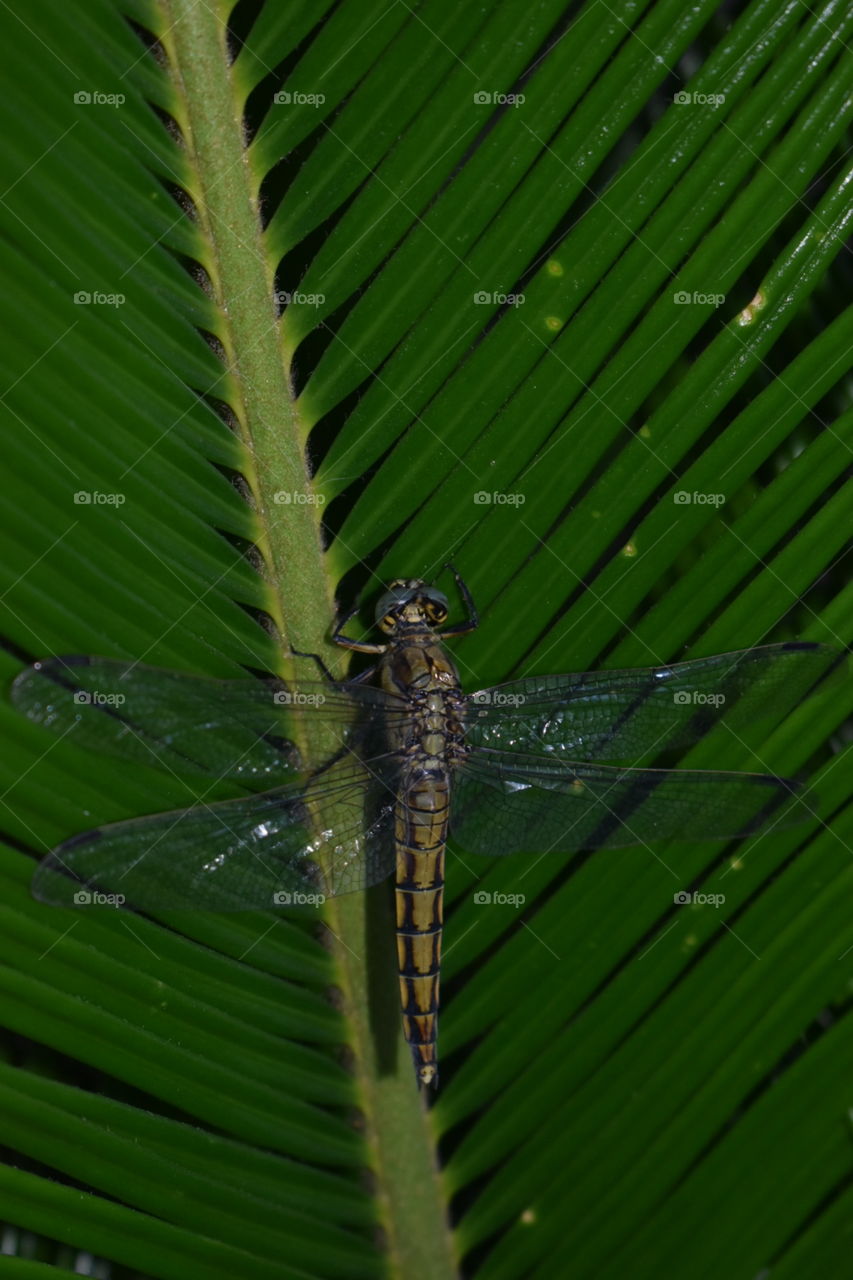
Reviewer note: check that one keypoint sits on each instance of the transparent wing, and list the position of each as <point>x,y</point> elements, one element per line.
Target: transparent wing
<point>277,848</point>
<point>505,802</point>
<point>622,715</point>
<point>221,728</point>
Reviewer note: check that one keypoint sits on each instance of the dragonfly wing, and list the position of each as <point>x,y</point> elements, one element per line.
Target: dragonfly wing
<point>237,729</point>
<point>333,836</point>
<point>220,728</point>
<point>623,715</point>
<point>507,802</point>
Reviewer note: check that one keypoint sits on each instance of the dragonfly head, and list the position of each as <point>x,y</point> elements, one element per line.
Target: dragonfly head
<point>408,602</point>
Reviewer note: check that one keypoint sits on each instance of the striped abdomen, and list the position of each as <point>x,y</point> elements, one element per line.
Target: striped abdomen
<point>420,832</point>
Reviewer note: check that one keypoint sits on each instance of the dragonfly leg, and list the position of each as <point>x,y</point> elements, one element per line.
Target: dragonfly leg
<point>365,676</point>
<point>357,646</point>
<point>473,619</point>
<point>361,678</point>
<point>315,657</point>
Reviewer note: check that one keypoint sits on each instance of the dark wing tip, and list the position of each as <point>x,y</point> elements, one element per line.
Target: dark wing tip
<point>73,842</point>
<point>65,660</point>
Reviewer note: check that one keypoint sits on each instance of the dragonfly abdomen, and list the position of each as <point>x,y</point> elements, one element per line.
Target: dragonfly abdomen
<point>420,833</point>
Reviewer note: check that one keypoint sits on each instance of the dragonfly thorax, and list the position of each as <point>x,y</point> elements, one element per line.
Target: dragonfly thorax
<point>419,670</point>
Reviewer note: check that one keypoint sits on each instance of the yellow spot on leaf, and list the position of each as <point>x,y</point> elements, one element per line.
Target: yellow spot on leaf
<point>747,316</point>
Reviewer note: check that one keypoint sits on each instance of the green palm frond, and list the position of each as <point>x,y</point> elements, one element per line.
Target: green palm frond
<point>561,300</point>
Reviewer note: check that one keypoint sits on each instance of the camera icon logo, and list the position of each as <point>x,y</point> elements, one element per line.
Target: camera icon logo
<point>682,898</point>
<point>482,898</point>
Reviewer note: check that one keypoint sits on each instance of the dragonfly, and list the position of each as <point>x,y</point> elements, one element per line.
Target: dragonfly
<point>348,782</point>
